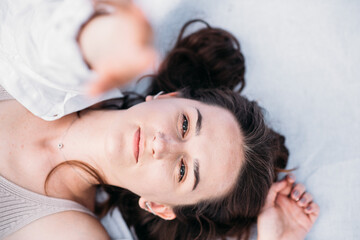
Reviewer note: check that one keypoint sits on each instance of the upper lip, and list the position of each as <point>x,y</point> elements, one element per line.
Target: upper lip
<point>136,144</point>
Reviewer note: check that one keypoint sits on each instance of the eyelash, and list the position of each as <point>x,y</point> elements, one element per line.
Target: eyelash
<point>182,170</point>
<point>185,123</point>
<point>184,130</point>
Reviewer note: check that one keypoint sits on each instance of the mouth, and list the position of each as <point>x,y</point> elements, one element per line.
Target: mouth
<point>136,144</point>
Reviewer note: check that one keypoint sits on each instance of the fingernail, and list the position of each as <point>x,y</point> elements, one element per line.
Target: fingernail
<point>291,177</point>
<point>296,194</point>
<point>302,200</point>
<point>309,208</point>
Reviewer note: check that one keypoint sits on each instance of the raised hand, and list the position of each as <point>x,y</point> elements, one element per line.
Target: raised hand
<point>289,212</point>
<point>118,47</point>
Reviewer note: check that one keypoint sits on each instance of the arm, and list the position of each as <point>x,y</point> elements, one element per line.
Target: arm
<point>69,225</point>
<point>289,212</point>
<point>44,45</point>
<point>117,46</point>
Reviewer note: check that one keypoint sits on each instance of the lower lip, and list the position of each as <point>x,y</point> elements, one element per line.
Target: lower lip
<point>136,144</point>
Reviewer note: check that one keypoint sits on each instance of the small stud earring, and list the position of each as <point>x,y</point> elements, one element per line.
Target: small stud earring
<point>158,94</point>
<point>148,206</point>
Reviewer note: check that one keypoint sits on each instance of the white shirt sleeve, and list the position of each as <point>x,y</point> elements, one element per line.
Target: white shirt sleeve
<point>40,61</point>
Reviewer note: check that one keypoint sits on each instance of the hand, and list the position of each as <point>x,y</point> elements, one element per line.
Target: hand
<point>119,72</point>
<point>118,47</point>
<point>287,216</point>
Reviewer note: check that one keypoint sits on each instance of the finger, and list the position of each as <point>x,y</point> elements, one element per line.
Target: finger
<point>297,191</point>
<point>146,58</point>
<point>105,82</point>
<point>291,209</point>
<point>273,192</point>
<point>313,210</point>
<point>288,206</point>
<point>284,202</point>
<point>305,199</point>
<point>290,178</point>
<point>137,60</point>
<point>110,75</point>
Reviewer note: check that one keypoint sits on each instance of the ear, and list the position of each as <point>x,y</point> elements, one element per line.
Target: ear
<point>166,95</point>
<point>160,210</point>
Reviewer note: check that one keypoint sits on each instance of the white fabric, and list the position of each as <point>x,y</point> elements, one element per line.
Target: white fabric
<point>40,62</point>
<point>116,227</point>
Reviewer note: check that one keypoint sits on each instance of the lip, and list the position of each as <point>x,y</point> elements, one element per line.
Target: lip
<point>136,142</point>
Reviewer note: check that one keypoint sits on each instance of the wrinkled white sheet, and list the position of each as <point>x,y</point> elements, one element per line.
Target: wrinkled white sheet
<point>302,62</point>
<point>116,226</point>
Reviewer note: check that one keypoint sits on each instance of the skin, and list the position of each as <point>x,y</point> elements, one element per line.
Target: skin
<point>29,172</point>
<point>104,140</point>
<point>155,175</point>
<point>163,148</point>
<point>287,215</point>
<point>117,46</point>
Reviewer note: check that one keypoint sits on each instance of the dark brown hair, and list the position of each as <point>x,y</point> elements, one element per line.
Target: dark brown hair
<point>209,58</point>
<point>208,64</point>
<point>233,214</point>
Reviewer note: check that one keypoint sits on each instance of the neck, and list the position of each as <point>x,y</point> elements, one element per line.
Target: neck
<point>82,140</point>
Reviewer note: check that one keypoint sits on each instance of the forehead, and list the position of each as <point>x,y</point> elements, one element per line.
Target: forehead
<point>218,149</point>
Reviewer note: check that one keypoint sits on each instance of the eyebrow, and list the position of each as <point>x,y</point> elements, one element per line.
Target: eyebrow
<point>198,122</point>
<point>196,161</point>
<point>196,173</point>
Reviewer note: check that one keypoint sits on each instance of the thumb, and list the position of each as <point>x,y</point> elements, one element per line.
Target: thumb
<point>105,81</point>
<point>110,75</point>
<point>143,59</point>
<point>273,192</point>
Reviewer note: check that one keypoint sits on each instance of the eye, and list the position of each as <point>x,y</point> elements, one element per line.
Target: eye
<point>182,170</point>
<point>184,126</point>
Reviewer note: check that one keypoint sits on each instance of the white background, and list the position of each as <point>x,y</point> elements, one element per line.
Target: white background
<point>302,60</point>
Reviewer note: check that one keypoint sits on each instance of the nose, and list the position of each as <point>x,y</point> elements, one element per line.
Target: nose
<point>164,146</point>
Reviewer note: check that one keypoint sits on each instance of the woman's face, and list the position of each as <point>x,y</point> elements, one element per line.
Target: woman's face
<point>174,151</point>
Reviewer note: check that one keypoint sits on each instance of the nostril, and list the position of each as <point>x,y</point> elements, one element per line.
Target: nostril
<point>153,152</point>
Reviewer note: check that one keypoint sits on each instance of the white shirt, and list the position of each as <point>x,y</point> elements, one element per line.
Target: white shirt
<point>41,65</point>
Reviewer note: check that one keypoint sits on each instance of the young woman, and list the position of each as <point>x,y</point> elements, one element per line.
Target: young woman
<point>201,162</point>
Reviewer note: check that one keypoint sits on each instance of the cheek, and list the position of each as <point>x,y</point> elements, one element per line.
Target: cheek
<point>156,178</point>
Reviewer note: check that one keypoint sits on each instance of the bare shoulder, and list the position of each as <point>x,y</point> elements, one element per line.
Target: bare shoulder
<point>10,111</point>
<point>9,105</point>
<point>70,225</point>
